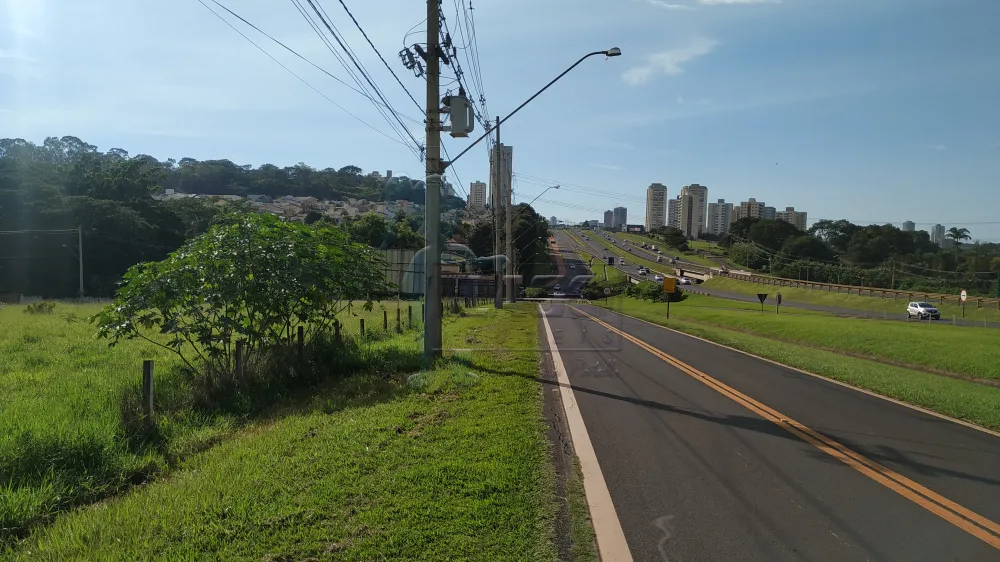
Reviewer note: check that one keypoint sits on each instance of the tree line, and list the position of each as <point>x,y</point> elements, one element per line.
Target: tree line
<point>65,183</point>
<point>839,251</point>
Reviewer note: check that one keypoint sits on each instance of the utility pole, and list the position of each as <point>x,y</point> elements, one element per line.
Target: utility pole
<point>497,205</point>
<point>432,197</point>
<point>79,255</point>
<point>509,192</point>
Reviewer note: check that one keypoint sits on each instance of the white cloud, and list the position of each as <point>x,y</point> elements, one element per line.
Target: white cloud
<point>736,2</point>
<point>668,5</point>
<point>669,62</point>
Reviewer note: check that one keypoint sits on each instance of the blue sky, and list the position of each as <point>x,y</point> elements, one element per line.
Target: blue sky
<point>873,111</point>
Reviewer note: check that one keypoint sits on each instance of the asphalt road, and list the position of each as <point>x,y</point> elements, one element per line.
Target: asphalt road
<point>771,299</point>
<point>695,474</point>
<point>572,271</point>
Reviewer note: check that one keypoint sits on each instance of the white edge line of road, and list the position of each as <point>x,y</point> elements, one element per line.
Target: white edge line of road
<point>921,409</point>
<point>611,542</point>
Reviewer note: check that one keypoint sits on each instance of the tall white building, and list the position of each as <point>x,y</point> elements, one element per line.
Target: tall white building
<point>553,221</point>
<point>909,226</point>
<point>501,172</point>
<point>720,215</point>
<point>609,218</point>
<point>673,206</point>
<point>656,206</point>
<point>937,234</point>
<point>692,208</point>
<point>619,218</point>
<point>477,195</point>
<point>797,218</point>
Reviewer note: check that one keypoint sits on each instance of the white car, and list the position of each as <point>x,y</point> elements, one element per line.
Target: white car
<point>658,277</point>
<point>572,266</point>
<point>685,280</point>
<point>557,287</point>
<point>922,311</point>
<point>642,271</point>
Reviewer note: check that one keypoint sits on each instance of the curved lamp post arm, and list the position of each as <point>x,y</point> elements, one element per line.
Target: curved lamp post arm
<point>614,52</point>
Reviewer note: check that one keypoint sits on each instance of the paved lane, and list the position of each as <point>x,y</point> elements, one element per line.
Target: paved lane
<point>696,474</point>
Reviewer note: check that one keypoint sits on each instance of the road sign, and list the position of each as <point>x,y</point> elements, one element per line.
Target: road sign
<point>607,291</point>
<point>762,297</point>
<point>669,285</point>
<point>964,296</point>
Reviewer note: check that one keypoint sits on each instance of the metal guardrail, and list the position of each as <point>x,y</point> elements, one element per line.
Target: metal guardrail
<point>872,292</point>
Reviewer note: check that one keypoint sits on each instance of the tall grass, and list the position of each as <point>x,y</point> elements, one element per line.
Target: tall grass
<point>71,429</point>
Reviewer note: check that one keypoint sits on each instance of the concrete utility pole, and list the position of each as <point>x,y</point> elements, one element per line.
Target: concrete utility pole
<point>509,193</point>
<point>79,250</point>
<point>497,205</point>
<point>432,197</point>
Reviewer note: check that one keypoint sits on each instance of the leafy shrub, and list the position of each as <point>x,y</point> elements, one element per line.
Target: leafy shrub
<point>535,292</point>
<point>40,308</point>
<point>595,289</point>
<point>253,278</point>
<point>648,290</point>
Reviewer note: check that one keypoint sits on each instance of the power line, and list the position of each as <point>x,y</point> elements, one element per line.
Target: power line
<point>296,53</point>
<point>372,45</point>
<point>364,74</point>
<point>290,71</point>
<point>381,108</point>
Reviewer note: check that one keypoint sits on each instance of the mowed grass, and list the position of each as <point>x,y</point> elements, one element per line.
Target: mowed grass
<point>960,399</point>
<point>854,301</point>
<point>63,439</point>
<point>689,256</point>
<point>632,259</point>
<point>614,275</point>
<point>445,464</point>
<point>964,351</point>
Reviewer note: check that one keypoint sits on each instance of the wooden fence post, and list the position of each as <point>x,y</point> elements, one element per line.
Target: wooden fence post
<point>399,325</point>
<point>409,317</point>
<point>385,320</point>
<point>147,390</point>
<point>336,330</point>
<point>240,348</point>
<point>301,341</point>
<point>362,327</point>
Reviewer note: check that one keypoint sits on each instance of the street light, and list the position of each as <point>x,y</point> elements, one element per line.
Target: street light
<point>432,327</point>
<point>612,52</point>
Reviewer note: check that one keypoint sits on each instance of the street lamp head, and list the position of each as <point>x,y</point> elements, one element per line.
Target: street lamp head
<point>613,52</point>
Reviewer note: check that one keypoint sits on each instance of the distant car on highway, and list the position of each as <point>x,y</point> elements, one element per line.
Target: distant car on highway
<point>642,271</point>
<point>572,266</point>
<point>685,280</point>
<point>658,277</point>
<point>922,311</point>
<point>621,262</point>
<point>557,287</point>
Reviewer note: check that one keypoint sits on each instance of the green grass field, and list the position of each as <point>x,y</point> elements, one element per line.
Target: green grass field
<point>632,259</point>
<point>63,441</point>
<point>446,464</point>
<point>689,256</point>
<point>614,275</point>
<point>793,339</point>
<point>856,302</point>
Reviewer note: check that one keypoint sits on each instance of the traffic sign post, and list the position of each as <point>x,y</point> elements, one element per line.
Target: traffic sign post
<point>762,297</point>
<point>607,292</point>
<point>669,288</point>
<point>777,303</point>
<point>964,296</point>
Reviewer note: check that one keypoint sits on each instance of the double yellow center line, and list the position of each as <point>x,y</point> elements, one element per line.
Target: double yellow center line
<point>982,528</point>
